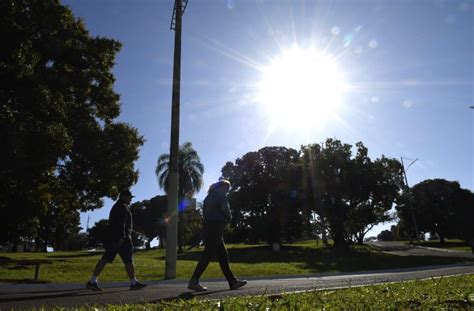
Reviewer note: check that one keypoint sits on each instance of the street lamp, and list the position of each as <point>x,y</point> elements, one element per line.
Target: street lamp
<point>408,190</point>
<point>173,181</point>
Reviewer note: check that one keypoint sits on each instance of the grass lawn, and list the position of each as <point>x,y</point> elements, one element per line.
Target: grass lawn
<point>246,260</point>
<point>457,245</point>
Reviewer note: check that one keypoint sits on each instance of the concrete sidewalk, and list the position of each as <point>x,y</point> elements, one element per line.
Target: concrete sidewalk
<point>21,296</point>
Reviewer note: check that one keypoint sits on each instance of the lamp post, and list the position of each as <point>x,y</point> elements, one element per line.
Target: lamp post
<point>408,190</point>
<point>173,181</point>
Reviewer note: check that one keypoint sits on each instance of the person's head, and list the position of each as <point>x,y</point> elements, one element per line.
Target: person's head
<point>126,196</point>
<point>222,184</point>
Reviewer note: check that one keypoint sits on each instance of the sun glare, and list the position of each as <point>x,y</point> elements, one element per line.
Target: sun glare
<point>302,88</point>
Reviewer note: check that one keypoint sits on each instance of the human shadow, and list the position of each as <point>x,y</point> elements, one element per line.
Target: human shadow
<point>89,254</point>
<point>51,295</point>
<point>24,281</point>
<point>327,259</point>
<point>446,244</point>
<point>189,295</point>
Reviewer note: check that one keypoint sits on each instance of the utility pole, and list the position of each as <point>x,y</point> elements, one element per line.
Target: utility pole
<point>173,181</point>
<point>408,191</point>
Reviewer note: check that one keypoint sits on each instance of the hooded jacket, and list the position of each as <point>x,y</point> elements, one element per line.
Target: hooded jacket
<point>216,206</point>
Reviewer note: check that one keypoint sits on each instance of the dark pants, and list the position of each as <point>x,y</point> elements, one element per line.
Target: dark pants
<point>214,245</point>
<point>123,247</point>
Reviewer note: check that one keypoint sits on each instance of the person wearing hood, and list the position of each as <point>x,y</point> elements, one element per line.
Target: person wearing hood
<point>216,212</point>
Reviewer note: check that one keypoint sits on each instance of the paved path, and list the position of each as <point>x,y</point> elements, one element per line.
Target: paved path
<point>400,249</point>
<point>68,295</point>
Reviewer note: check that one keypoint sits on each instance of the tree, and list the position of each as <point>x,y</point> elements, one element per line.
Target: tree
<point>441,208</point>
<point>266,195</point>
<point>385,235</point>
<point>190,179</point>
<point>99,233</point>
<point>464,213</point>
<point>192,221</point>
<point>329,186</point>
<point>62,149</point>
<point>433,202</point>
<point>77,242</point>
<point>149,218</point>
<point>376,187</point>
<point>350,194</point>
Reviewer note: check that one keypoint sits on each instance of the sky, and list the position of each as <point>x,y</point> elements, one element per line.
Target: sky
<point>396,75</point>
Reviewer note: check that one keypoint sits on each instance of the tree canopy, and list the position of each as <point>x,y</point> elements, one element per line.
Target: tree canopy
<point>190,180</point>
<point>264,199</point>
<point>440,207</point>
<point>320,186</point>
<point>62,150</point>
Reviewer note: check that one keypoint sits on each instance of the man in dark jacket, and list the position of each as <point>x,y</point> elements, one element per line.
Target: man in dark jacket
<point>217,216</point>
<point>119,242</point>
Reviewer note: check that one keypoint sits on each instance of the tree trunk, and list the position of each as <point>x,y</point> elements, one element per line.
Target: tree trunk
<point>148,244</point>
<point>360,239</point>
<point>340,243</point>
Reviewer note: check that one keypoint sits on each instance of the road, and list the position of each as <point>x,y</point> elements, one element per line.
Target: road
<point>69,295</point>
<point>400,249</point>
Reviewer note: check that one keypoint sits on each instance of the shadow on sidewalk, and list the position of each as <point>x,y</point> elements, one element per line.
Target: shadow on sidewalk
<point>190,295</point>
<point>49,294</point>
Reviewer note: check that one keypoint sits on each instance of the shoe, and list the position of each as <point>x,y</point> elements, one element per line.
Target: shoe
<point>197,287</point>
<point>93,286</point>
<point>138,286</point>
<point>238,284</point>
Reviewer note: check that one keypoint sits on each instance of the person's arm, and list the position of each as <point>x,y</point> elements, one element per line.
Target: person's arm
<point>225,208</point>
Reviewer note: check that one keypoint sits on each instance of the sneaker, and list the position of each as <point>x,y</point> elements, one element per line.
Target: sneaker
<point>238,284</point>
<point>197,287</point>
<point>138,286</point>
<point>93,286</point>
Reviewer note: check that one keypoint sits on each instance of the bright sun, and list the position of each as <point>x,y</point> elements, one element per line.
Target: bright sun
<point>302,88</point>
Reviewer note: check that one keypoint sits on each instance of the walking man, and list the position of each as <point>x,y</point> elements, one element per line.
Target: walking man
<point>216,218</point>
<point>119,242</point>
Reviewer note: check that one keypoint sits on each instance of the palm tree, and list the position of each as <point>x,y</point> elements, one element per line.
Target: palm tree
<point>190,179</point>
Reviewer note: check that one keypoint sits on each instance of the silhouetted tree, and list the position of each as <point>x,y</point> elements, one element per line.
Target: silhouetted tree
<point>434,207</point>
<point>192,217</point>
<point>62,150</point>
<point>77,242</point>
<point>190,179</point>
<point>464,213</point>
<point>375,188</point>
<point>149,218</point>
<point>385,235</point>
<point>99,233</point>
<point>350,194</point>
<point>266,195</point>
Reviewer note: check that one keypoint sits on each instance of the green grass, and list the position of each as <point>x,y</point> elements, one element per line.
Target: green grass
<point>246,260</point>
<point>457,245</point>
<point>445,293</point>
